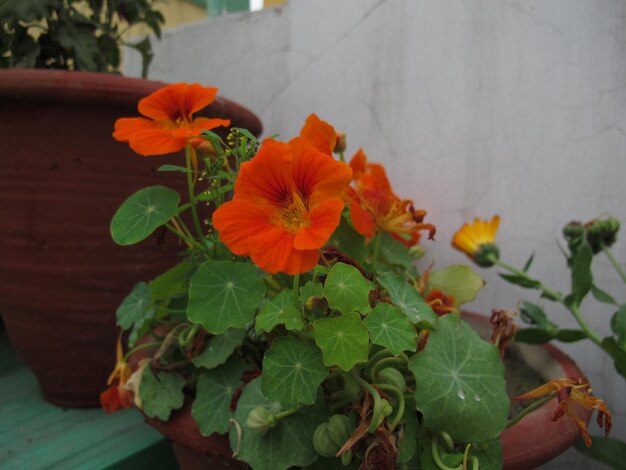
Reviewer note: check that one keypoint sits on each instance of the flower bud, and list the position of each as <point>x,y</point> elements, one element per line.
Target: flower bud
<point>339,429</point>
<point>260,420</point>
<point>486,254</point>
<point>386,407</point>
<point>322,443</point>
<point>602,233</point>
<point>392,376</point>
<point>340,144</point>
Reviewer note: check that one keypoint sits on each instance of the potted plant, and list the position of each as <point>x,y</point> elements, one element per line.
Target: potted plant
<point>296,330</point>
<point>62,177</point>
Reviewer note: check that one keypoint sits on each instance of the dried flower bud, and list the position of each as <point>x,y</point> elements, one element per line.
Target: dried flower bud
<point>340,144</point>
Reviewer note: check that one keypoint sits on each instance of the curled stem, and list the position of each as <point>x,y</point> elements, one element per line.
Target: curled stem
<point>386,361</point>
<point>400,397</point>
<point>434,449</point>
<point>376,396</point>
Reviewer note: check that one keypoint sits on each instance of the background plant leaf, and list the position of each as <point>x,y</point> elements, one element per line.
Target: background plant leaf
<point>457,280</point>
<point>349,242</point>
<point>609,451</point>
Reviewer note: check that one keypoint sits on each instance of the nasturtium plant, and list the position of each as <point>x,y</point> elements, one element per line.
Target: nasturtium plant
<point>390,328</point>
<point>136,307</point>
<point>161,393</point>
<point>279,311</point>
<point>346,289</point>
<point>406,297</point>
<point>219,348</point>
<point>344,340</point>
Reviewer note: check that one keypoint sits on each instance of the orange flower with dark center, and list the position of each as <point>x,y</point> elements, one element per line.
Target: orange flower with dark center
<point>570,391</point>
<point>287,203</point>
<point>440,302</point>
<point>374,206</point>
<point>117,397</point>
<point>168,124</point>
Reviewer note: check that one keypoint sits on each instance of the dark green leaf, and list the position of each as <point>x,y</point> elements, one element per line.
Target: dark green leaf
<point>211,408</point>
<point>535,315</point>
<point>219,348</point>
<point>528,263</point>
<point>602,296</point>
<point>617,354</point>
<point>520,281</point>
<point>466,396</point>
<point>310,289</point>
<point>609,451</point>
<point>161,394</point>
<point>581,272</point>
<point>144,47</point>
<point>292,372</point>
<point>618,326</point>
<point>394,252</point>
<point>344,340</point>
<point>407,444</point>
<point>143,212</point>
<point>346,289</point>
<point>182,169</point>
<point>23,10</point>
<point>224,294</point>
<point>391,329</point>
<point>349,242</point>
<point>172,282</point>
<point>406,297</point>
<point>289,444</point>
<point>539,336</point>
<point>136,307</point>
<point>279,311</point>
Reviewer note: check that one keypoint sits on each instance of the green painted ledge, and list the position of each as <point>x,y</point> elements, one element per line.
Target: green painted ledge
<point>37,435</point>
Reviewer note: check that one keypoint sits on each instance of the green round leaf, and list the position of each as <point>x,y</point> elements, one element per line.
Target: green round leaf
<point>349,241</point>
<point>460,387</point>
<point>457,280</point>
<point>390,328</point>
<point>136,307</point>
<point>406,297</point>
<point>143,212</point>
<point>287,445</point>
<point>215,389</point>
<point>344,340</point>
<point>346,289</point>
<point>224,294</point>
<point>161,394</point>
<point>279,311</point>
<point>219,348</point>
<point>292,372</point>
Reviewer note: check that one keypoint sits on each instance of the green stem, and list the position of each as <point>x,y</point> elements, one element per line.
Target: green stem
<point>530,408</point>
<point>434,449</point>
<point>296,291</point>
<point>396,391</point>
<point>150,344</point>
<point>376,396</point>
<point>342,157</point>
<point>386,361</point>
<point>192,195</point>
<point>186,337</point>
<point>283,414</point>
<point>614,262</point>
<point>583,324</point>
<point>378,236</point>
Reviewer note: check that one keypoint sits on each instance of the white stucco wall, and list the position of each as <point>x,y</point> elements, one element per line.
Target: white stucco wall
<point>475,107</point>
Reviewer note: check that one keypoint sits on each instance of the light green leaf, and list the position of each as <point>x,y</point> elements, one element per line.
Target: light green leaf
<point>211,408</point>
<point>390,328</point>
<point>182,169</point>
<point>279,311</point>
<point>407,442</point>
<point>287,445</point>
<point>581,272</point>
<point>394,252</point>
<point>344,340</point>
<point>161,394</point>
<point>602,296</point>
<point>136,307</point>
<point>346,289</point>
<point>460,387</point>
<point>224,294</point>
<point>457,280</point>
<point>618,326</point>
<point>406,297</point>
<point>292,372</point>
<point>310,289</point>
<point>143,212</point>
<point>219,348</point>
<point>349,241</point>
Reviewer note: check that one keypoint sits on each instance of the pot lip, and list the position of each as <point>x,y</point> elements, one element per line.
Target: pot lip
<point>73,86</point>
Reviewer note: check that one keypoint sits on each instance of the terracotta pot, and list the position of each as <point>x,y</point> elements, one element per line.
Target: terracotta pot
<point>62,176</point>
<point>536,439</point>
<point>533,441</point>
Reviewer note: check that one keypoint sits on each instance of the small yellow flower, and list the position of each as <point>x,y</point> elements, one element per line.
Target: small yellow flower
<point>569,392</point>
<point>477,240</point>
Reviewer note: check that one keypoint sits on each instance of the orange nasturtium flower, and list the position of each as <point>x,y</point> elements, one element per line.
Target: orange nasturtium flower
<point>168,124</point>
<point>287,202</point>
<point>117,397</point>
<point>374,206</point>
<point>478,241</point>
<point>570,391</point>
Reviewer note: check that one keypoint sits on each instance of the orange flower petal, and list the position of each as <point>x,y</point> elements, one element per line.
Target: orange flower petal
<point>273,252</point>
<point>324,220</point>
<point>147,137</point>
<point>362,220</point>
<point>176,101</point>
<point>238,220</point>
<point>320,134</point>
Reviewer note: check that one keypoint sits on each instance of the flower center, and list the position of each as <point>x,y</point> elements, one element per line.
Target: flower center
<point>294,213</point>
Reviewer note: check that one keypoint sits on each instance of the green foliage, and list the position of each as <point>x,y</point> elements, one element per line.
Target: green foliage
<point>288,444</point>
<point>136,307</point>
<point>224,294</point>
<point>348,241</point>
<point>581,273</point>
<point>344,340</point>
<point>611,452</point>
<point>73,34</point>
<point>395,253</point>
<point>214,391</point>
<point>406,297</point>
<point>279,311</point>
<point>466,396</point>
<point>161,393</point>
<point>142,213</point>
<point>219,348</point>
<point>457,280</point>
<point>292,372</point>
<point>346,289</point>
<point>391,329</point>
<point>618,326</point>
